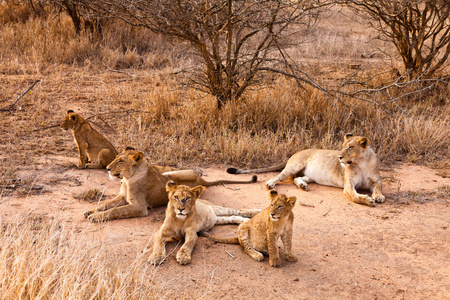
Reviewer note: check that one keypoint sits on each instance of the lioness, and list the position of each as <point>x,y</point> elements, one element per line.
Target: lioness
<point>186,215</point>
<point>354,167</point>
<point>100,152</point>
<point>259,235</point>
<point>142,186</point>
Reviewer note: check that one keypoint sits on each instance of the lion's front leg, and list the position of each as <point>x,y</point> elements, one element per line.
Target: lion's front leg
<point>287,243</point>
<point>377,195</point>
<point>82,148</point>
<point>185,252</point>
<point>274,255</point>
<point>159,248</point>
<point>350,191</point>
<point>119,200</point>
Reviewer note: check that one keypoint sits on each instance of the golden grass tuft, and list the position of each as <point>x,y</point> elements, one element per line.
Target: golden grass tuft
<point>40,259</point>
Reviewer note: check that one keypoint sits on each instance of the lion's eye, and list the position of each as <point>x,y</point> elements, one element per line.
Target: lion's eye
<point>188,198</point>
<point>350,147</point>
<point>271,205</point>
<point>175,197</point>
<point>279,207</point>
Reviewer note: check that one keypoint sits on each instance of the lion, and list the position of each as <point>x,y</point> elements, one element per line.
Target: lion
<point>354,167</point>
<point>143,186</point>
<point>186,216</point>
<point>100,152</point>
<point>259,236</point>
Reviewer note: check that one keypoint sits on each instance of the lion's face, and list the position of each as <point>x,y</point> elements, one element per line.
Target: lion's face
<point>182,198</point>
<point>280,205</point>
<point>125,164</point>
<point>353,149</point>
<point>70,120</point>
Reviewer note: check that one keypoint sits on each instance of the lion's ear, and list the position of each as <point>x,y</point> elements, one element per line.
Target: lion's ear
<point>197,191</point>
<point>347,136</point>
<point>363,142</point>
<point>137,158</point>
<point>170,186</point>
<point>273,194</point>
<point>129,148</point>
<point>70,111</point>
<point>291,201</point>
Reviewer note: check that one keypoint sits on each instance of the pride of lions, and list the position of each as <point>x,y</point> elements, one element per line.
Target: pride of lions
<point>144,185</point>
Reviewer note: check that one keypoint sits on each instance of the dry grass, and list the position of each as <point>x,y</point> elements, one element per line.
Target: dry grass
<point>148,108</point>
<point>40,259</point>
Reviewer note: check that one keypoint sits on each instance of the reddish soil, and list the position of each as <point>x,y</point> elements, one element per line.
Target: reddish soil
<point>397,250</point>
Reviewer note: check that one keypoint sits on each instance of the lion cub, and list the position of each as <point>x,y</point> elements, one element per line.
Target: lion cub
<point>186,215</point>
<point>100,152</point>
<point>259,236</point>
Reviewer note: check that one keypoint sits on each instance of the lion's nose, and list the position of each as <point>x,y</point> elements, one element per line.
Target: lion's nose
<point>108,168</point>
<point>341,157</point>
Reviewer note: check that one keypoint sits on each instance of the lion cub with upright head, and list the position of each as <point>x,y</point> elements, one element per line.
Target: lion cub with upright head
<point>259,236</point>
<point>186,215</point>
<point>100,152</point>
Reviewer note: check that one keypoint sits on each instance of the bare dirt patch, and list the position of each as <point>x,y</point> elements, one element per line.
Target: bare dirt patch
<point>399,249</point>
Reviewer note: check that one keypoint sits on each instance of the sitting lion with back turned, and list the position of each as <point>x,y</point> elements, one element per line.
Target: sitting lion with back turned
<point>354,167</point>
<point>100,152</point>
<point>259,236</point>
<point>186,215</point>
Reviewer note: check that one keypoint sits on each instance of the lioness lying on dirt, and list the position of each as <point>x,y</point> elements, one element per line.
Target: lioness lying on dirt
<point>259,235</point>
<point>354,167</point>
<point>186,216</point>
<point>143,186</point>
<point>100,152</point>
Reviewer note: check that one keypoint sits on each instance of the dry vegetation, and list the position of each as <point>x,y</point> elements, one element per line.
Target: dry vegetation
<point>131,82</point>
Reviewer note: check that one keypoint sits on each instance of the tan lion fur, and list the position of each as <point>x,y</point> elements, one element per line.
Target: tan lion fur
<point>186,215</point>
<point>259,236</point>
<point>354,167</point>
<point>92,146</point>
<point>143,186</point>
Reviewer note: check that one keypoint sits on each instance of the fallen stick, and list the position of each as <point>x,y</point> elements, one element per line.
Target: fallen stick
<point>20,97</point>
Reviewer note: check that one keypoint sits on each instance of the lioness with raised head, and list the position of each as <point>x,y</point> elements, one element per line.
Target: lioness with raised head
<point>259,236</point>
<point>187,215</point>
<point>354,167</point>
<point>143,186</point>
<point>100,152</point>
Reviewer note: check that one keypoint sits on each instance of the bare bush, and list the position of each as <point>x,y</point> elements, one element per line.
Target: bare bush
<point>420,30</point>
<point>233,39</point>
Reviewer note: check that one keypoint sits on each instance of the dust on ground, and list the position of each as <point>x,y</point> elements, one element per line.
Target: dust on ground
<point>398,250</point>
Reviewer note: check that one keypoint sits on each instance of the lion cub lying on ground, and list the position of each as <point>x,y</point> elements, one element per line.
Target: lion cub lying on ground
<point>186,215</point>
<point>259,235</point>
<point>354,167</point>
<point>100,152</point>
<point>143,185</point>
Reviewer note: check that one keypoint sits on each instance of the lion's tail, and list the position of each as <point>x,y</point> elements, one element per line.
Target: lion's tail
<point>278,167</point>
<point>221,240</point>
<point>217,182</point>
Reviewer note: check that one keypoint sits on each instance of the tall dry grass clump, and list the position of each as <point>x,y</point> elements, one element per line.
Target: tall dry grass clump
<point>40,259</point>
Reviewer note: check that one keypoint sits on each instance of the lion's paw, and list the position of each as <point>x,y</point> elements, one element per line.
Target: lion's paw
<point>156,259</point>
<point>96,217</point>
<point>271,184</point>
<point>274,262</point>
<point>379,198</point>
<point>291,257</point>
<point>183,258</point>
<point>258,256</point>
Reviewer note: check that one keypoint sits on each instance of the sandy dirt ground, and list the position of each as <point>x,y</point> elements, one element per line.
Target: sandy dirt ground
<point>397,250</point>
